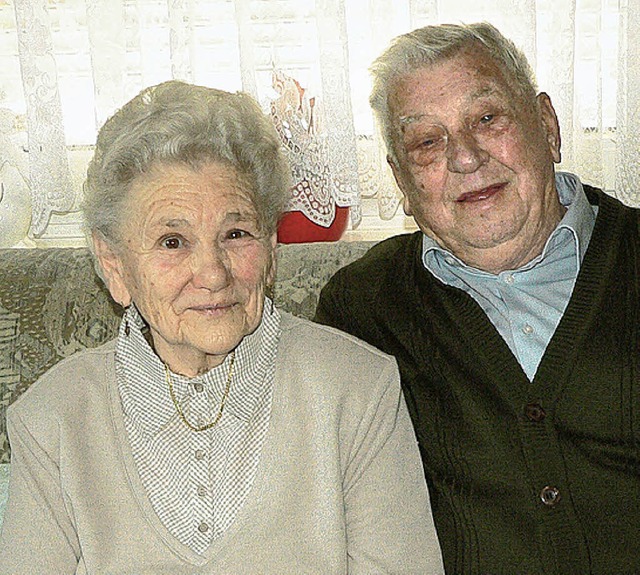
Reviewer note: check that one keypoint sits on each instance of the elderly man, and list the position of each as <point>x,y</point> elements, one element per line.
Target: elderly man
<point>514,314</point>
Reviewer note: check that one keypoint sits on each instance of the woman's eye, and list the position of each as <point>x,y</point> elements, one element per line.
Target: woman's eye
<point>172,243</point>
<point>486,119</point>
<point>237,234</point>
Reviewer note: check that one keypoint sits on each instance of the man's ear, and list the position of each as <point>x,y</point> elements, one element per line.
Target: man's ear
<point>398,176</point>
<point>112,270</point>
<point>550,124</point>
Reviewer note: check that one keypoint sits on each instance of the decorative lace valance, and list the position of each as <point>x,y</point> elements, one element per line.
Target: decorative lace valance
<point>317,184</point>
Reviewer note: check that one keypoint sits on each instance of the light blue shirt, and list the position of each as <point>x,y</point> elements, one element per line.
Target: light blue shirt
<point>526,305</point>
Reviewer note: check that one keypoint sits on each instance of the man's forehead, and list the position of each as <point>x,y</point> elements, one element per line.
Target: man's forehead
<point>488,91</point>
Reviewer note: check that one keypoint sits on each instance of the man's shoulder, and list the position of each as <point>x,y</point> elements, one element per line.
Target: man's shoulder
<point>383,257</point>
<point>614,217</point>
<point>598,197</point>
<point>353,294</point>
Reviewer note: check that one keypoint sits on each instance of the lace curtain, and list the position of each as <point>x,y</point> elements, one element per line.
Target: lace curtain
<point>68,64</point>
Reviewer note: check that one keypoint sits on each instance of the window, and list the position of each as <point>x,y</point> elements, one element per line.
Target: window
<point>75,61</point>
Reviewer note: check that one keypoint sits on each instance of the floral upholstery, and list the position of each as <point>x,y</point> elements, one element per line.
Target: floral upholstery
<point>4,488</point>
<point>52,304</point>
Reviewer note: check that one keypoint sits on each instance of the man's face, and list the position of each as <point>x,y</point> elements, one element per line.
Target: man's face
<point>475,161</point>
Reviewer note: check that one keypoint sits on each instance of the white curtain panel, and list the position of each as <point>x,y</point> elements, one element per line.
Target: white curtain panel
<point>69,64</point>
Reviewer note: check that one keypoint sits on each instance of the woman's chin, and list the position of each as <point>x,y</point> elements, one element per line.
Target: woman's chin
<point>202,339</point>
<point>211,347</point>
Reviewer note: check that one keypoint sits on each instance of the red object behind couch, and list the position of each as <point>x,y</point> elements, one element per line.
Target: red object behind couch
<point>296,228</point>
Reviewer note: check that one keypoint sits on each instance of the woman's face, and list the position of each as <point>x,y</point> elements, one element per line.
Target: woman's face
<point>194,260</point>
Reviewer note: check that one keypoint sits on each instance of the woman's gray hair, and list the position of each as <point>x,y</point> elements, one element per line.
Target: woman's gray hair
<point>432,44</point>
<point>176,122</point>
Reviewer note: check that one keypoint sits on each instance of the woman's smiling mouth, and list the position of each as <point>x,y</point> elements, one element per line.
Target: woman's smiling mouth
<point>213,309</point>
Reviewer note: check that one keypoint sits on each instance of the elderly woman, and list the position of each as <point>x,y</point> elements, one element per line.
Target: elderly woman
<point>215,434</point>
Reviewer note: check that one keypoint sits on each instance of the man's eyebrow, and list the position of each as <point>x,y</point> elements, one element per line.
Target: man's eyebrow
<point>481,93</point>
<point>484,92</point>
<point>410,119</point>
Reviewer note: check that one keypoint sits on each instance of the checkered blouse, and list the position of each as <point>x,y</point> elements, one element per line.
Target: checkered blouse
<point>197,481</point>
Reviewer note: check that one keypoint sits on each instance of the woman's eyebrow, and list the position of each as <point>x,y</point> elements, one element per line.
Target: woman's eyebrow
<point>243,216</point>
<point>174,223</point>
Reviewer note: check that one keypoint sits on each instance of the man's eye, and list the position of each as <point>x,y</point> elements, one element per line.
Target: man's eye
<point>430,141</point>
<point>494,123</point>
<point>172,243</point>
<point>427,149</point>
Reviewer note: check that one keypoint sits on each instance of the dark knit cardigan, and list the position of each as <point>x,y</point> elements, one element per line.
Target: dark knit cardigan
<point>525,477</point>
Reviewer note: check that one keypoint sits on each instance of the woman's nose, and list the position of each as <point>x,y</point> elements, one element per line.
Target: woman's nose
<point>464,154</point>
<point>211,268</point>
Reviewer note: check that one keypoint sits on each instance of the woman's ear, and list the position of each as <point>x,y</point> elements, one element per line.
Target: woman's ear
<point>112,270</point>
<point>271,271</point>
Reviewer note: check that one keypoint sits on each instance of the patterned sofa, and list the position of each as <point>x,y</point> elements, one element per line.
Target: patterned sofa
<point>52,304</point>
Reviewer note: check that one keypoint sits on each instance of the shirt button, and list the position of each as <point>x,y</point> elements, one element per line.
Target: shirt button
<point>198,387</point>
<point>509,279</point>
<point>550,496</point>
<point>203,527</point>
<point>528,329</point>
<point>535,412</point>
<point>199,454</point>
<point>202,491</point>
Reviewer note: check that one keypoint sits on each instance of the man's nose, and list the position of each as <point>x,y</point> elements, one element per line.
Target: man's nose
<point>210,267</point>
<point>464,154</point>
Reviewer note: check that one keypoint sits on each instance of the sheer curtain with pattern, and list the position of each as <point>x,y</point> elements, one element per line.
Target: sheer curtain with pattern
<point>68,64</point>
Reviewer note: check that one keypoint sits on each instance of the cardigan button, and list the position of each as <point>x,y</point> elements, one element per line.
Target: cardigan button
<point>203,527</point>
<point>535,412</point>
<point>550,496</point>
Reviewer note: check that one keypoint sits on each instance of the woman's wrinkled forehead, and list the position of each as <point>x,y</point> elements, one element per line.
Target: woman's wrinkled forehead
<point>177,193</point>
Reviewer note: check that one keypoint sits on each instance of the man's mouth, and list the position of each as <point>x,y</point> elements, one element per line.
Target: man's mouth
<point>480,195</point>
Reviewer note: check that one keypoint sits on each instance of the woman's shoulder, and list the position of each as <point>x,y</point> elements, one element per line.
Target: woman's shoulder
<point>304,335</point>
<point>337,373</point>
<point>332,364</point>
<point>68,380</point>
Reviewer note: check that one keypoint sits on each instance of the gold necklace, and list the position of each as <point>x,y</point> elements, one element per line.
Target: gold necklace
<point>225,395</point>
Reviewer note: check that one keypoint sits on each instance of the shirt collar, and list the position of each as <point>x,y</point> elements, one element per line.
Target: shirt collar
<point>580,216</point>
<point>142,376</point>
<point>578,220</point>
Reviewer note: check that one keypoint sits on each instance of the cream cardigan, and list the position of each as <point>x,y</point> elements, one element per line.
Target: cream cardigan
<point>339,489</point>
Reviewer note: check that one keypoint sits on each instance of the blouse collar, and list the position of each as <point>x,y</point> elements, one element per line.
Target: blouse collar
<point>142,376</point>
